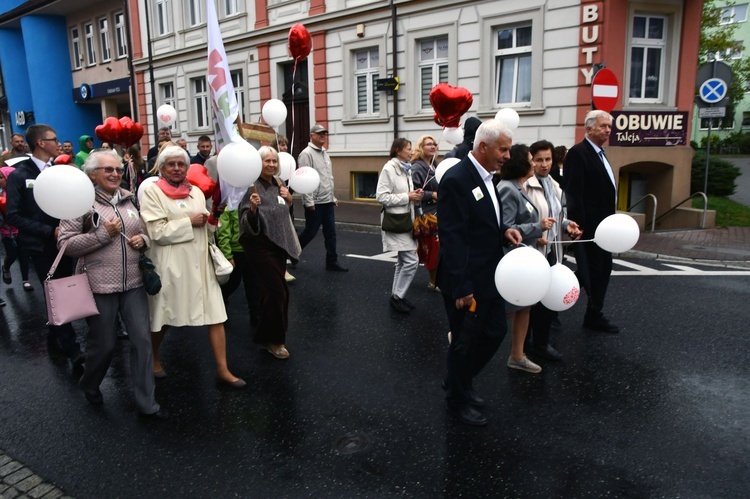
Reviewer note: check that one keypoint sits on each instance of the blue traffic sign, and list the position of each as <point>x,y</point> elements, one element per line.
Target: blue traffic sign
<point>713,90</point>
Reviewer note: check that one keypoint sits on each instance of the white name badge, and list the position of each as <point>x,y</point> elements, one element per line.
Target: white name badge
<point>181,204</point>
<point>29,183</point>
<point>477,193</point>
<point>281,200</point>
<point>132,214</point>
<point>530,207</point>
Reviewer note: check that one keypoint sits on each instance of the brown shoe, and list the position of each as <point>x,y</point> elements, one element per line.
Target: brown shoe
<point>278,351</point>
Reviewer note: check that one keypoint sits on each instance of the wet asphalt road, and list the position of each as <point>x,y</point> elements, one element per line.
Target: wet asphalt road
<point>660,410</point>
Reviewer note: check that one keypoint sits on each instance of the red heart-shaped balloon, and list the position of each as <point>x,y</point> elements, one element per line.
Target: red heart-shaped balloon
<point>198,176</point>
<point>109,131</point>
<point>450,103</point>
<point>131,132</point>
<point>299,42</point>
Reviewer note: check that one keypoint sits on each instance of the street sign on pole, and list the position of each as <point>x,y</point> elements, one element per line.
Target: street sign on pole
<point>712,112</point>
<point>713,90</point>
<point>605,90</point>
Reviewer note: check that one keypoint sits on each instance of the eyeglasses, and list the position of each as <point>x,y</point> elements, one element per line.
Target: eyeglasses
<point>53,139</point>
<point>109,170</point>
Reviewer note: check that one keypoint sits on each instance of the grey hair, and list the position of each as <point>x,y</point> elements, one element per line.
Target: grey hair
<point>266,150</point>
<point>171,152</point>
<point>491,130</point>
<point>594,115</point>
<point>94,160</point>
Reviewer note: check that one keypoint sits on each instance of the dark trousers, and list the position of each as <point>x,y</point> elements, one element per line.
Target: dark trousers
<point>542,317</point>
<point>323,214</point>
<point>594,268</point>
<point>269,267</point>
<point>14,251</point>
<point>62,337</point>
<point>475,337</point>
<point>242,273</point>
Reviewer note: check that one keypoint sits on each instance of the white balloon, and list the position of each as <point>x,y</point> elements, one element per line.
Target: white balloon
<point>239,164</point>
<point>564,289</point>
<point>144,184</point>
<point>509,116</point>
<point>274,112</point>
<point>166,114</point>
<point>617,233</point>
<point>444,166</point>
<point>304,180</point>
<point>523,276</point>
<point>287,165</point>
<point>64,192</point>
<point>453,136</point>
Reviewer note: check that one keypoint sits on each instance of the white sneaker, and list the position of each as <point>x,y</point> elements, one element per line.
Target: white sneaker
<point>289,277</point>
<point>524,365</point>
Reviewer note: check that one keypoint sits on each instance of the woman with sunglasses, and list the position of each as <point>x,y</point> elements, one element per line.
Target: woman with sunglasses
<point>107,241</point>
<point>424,161</point>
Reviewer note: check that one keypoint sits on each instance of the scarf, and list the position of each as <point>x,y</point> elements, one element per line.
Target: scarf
<point>555,208</point>
<point>112,199</point>
<point>406,166</point>
<point>180,191</point>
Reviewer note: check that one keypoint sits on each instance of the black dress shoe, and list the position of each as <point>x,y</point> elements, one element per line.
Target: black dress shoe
<point>474,399</point>
<point>468,415</point>
<point>546,352</point>
<point>160,415</point>
<point>408,303</point>
<point>94,398</point>
<point>398,305</point>
<point>335,267</point>
<point>600,324</point>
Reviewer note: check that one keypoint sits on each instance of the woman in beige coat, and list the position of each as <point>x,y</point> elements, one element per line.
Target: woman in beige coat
<point>397,194</point>
<point>176,222</point>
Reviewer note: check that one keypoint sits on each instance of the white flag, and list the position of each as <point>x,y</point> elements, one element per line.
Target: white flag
<point>223,99</point>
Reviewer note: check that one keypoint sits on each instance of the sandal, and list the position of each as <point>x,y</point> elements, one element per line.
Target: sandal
<point>27,286</point>
<point>278,351</point>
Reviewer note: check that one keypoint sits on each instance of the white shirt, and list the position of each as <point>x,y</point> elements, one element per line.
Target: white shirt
<point>40,164</point>
<point>487,178</point>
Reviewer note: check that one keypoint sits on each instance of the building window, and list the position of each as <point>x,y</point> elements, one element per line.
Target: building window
<point>121,35</point>
<point>75,43</point>
<point>734,14</point>
<point>647,53</point>
<point>433,67</point>
<point>238,82</point>
<point>366,71</point>
<point>733,52</point>
<point>745,120</point>
<point>364,185</point>
<point>195,16</point>
<point>201,114</point>
<point>513,65</point>
<point>88,32</point>
<point>166,95</point>
<point>230,7</point>
<point>162,17</point>
<point>104,39</point>
<point>726,123</point>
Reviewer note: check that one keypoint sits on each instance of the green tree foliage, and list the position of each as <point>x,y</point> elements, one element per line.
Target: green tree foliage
<point>717,38</point>
<point>721,175</point>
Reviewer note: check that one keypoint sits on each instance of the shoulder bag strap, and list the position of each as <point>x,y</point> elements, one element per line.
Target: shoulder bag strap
<point>57,261</point>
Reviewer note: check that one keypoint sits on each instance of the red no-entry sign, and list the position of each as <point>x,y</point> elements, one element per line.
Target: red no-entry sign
<point>605,90</point>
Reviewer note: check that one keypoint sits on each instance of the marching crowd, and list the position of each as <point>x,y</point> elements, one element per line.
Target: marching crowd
<point>497,196</point>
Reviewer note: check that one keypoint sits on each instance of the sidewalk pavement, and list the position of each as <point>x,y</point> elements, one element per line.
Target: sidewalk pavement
<point>728,245</point>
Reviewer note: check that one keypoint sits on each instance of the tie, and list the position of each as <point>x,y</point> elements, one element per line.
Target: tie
<point>601,155</point>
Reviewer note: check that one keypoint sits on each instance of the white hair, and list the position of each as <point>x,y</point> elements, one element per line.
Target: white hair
<point>491,130</point>
<point>594,115</point>
<point>94,160</point>
<point>171,152</point>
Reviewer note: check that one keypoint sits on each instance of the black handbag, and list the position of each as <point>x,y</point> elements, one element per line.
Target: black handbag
<point>151,280</point>
<point>398,223</point>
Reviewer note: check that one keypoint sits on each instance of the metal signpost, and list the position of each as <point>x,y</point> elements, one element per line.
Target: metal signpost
<point>713,79</point>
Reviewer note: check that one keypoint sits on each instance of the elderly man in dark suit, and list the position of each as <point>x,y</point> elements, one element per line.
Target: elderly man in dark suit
<point>37,231</point>
<point>591,191</point>
<point>472,232</point>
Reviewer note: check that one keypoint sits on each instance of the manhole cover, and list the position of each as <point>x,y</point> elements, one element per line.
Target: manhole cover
<point>351,443</point>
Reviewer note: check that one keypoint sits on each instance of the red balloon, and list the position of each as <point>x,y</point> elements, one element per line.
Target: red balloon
<point>131,132</point>
<point>198,176</point>
<point>300,42</point>
<point>64,159</point>
<point>450,103</point>
<point>109,131</point>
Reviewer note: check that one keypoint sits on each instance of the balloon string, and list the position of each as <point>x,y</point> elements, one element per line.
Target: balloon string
<point>578,241</point>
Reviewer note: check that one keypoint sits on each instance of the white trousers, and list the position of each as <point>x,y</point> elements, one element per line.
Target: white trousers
<point>406,267</point>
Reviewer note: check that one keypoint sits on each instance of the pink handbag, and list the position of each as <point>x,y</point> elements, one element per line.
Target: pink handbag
<point>68,298</point>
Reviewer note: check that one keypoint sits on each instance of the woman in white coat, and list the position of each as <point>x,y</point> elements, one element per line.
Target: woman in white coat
<point>397,194</point>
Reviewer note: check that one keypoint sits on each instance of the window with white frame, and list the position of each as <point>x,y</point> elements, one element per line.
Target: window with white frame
<point>121,36</point>
<point>366,71</point>
<point>194,12</point>
<point>432,67</point>
<point>166,96</point>
<point>104,39</point>
<point>734,14</point>
<point>75,45</point>
<point>201,109</point>
<point>513,64</point>
<point>725,123</point>
<point>88,33</point>
<point>238,82</point>
<point>230,7</point>
<point>163,13</point>
<point>732,52</point>
<point>647,55</point>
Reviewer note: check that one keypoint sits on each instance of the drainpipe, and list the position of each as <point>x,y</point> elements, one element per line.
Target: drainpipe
<point>395,68</point>
<point>151,73</point>
<point>131,70</point>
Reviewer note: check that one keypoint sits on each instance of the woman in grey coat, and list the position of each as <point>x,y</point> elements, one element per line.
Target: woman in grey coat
<point>107,241</point>
<point>397,194</point>
<point>520,213</point>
